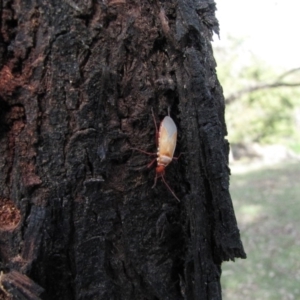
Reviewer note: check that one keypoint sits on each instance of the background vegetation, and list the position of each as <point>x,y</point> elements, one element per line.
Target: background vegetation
<point>263,102</point>
<point>263,107</point>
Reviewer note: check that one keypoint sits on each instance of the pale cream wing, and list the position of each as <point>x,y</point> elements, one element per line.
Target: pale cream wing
<point>167,137</point>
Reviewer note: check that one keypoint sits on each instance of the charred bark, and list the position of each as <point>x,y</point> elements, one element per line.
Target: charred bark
<point>78,80</point>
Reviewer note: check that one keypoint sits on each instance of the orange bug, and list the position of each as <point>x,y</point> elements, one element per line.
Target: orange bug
<point>166,139</point>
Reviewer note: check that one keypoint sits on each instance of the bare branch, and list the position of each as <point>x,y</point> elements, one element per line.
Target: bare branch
<point>287,73</point>
<point>276,84</point>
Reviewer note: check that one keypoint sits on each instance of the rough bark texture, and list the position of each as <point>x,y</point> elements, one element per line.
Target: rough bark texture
<point>78,80</point>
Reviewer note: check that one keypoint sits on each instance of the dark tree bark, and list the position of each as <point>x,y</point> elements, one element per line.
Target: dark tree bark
<point>78,80</point>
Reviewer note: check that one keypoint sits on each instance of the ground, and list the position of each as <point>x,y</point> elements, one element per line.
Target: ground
<point>266,202</point>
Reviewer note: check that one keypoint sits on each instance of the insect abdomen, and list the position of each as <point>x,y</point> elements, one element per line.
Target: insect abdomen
<point>167,141</point>
<point>163,160</point>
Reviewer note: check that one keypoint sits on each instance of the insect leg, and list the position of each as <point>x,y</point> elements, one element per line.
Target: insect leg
<point>151,163</point>
<point>155,180</point>
<point>163,179</point>
<point>176,158</point>
<point>145,152</point>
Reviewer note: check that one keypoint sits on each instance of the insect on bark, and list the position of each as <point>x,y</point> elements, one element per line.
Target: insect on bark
<point>166,138</point>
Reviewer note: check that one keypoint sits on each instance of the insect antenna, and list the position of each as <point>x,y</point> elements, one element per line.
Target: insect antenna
<point>163,179</point>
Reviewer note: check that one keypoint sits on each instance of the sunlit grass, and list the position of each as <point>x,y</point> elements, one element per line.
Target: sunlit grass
<point>267,207</point>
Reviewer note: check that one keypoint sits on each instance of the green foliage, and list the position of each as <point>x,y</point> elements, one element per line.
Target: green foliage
<point>295,146</point>
<point>266,115</point>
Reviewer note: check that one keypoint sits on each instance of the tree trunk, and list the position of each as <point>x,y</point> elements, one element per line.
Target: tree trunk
<point>79,219</point>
